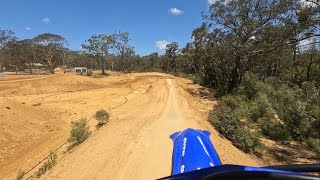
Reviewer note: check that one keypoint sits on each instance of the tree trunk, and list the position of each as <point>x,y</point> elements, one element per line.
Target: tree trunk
<point>308,71</point>
<point>174,65</point>
<point>103,70</point>
<point>293,62</point>
<point>309,67</point>
<point>269,69</point>
<point>235,74</point>
<point>102,67</point>
<point>51,69</point>
<point>121,61</point>
<point>276,68</point>
<point>30,67</point>
<point>16,70</point>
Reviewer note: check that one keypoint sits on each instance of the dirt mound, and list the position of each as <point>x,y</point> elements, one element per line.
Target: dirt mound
<point>48,84</point>
<point>22,128</point>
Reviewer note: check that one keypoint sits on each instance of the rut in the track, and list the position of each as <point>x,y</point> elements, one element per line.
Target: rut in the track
<point>137,146</point>
<point>136,143</point>
<point>157,160</point>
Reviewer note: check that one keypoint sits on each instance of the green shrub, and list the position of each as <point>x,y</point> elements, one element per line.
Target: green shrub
<point>233,101</point>
<point>248,85</point>
<point>278,110</point>
<point>260,107</point>
<point>102,116</point>
<point>238,105</point>
<point>227,125</point>
<point>252,86</point>
<point>227,122</point>
<point>79,131</point>
<point>274,129</point>
<point>20,174</point>
<point>290,109</point>
<point>309,90</point>
<point>195,79</point>
<point>224,120</point>
<point>48,164</point>
<point>313,144</point>
<point>246,140</point>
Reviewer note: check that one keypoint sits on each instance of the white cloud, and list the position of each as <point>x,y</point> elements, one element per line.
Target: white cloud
<point>46,20</point>
<point>175,11</point>
<point>162,44</point>
<point>28,28</point>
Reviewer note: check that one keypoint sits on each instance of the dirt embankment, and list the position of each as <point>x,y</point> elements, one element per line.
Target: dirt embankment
<point>145,110</point>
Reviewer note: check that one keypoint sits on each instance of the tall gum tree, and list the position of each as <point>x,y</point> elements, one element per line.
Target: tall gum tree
<point>49,48</point>
<point>99,46</point>
<point>6,36</point>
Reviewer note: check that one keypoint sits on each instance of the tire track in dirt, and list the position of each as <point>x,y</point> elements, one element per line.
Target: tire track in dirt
<point>140,148</point>
<point>64,144</point>
<point>135,144</point>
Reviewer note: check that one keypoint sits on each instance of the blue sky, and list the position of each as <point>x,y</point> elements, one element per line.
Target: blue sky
<point>151,23</point>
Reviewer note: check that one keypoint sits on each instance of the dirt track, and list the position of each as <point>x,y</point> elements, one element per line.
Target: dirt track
<point>135,144</point>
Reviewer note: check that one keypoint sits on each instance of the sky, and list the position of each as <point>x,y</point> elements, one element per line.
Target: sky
<point>151,23</point>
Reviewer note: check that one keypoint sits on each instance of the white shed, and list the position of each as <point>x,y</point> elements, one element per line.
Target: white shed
<point>80,70</point>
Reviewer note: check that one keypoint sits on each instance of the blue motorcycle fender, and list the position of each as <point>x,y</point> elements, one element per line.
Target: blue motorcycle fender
<point>193,150</point>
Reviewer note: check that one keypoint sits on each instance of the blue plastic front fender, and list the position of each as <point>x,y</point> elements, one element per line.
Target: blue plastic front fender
<point>193,150</point>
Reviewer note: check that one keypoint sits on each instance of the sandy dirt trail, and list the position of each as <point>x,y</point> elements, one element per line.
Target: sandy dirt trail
<point>145,109</point>
<point>136,145</point>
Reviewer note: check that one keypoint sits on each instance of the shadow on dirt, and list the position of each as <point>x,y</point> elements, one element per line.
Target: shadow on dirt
<point>201,92</point>
<point>289,153</point>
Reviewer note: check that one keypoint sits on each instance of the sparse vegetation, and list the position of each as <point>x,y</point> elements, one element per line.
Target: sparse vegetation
<point>313,143</point>
<point>274,129</point>
<point>20,174</point>
<point>89,73</point>
<point>228,122</point>
<point>102,116</point>
<point>269,108</point>
<point>262,59</point>
<point>79,132</point>
<point>98,76</point>
<point>48,164</point>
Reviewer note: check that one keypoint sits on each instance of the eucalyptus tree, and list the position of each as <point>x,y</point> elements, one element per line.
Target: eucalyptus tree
<point>122,47</point>
<point>49,48</point>
<point>13,54</point>
<point>26,53</point>
<point>172,51</point>
<point>245,35</point>
<point>99,46</point>
<point>6,36</point>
